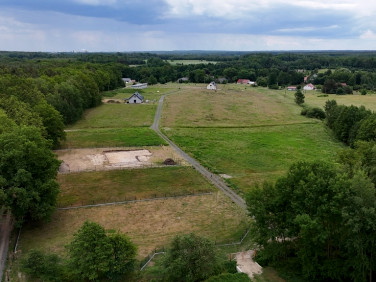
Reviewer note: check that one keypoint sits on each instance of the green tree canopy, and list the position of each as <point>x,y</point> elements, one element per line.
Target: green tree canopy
<point>96,255</point>
<point>190,258</point>
<point>28,169</point>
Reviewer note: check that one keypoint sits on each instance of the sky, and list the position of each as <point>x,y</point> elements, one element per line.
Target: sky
<point>166,25</point>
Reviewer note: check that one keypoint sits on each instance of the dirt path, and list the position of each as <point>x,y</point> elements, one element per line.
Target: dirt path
<point>246,264</point>
<point>6,225</point>
<point>213,178</point>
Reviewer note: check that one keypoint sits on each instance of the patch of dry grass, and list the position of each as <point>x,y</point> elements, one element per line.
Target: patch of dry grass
<point>229,107</point>
<point>148,224</point>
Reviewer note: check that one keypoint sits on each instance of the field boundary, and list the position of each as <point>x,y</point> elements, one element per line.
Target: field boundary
<point>136,201</point>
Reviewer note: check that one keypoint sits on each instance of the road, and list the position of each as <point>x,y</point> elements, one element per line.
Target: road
<point>5,229</point>
<point>213,178</point>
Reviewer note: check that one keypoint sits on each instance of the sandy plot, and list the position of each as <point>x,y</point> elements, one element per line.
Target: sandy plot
<point>246,264</point>
<point>75,160</point>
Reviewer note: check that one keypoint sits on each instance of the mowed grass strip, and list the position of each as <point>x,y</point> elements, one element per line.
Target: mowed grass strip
<point>229,107</point>
<point>119,185</point>
<point>117,116</point>
<point>112,137</point>
<point>148,224</point>
<point>252,155</point>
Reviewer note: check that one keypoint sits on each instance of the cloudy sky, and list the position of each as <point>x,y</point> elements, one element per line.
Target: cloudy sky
<point>147,25</point>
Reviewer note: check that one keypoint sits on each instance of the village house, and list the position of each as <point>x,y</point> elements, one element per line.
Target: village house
<point>127,80</point>
<point>291,88</point>
<point>212,86</point>
<point>136,98</point>
<point>309,86</point>
<point>243,81</point>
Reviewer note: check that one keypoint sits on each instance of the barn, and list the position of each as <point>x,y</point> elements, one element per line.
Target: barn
<point>136,98</point>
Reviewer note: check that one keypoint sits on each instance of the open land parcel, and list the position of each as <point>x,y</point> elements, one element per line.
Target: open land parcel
<point>250,134</point>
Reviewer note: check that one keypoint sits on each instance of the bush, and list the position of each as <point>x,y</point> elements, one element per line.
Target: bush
<point>47,267</point>
<point>229,277</point>
<point>313,113</point>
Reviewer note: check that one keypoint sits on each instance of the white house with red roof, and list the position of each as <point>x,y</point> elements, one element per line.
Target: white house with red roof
<point>243,81</point>
<point>309,86</point>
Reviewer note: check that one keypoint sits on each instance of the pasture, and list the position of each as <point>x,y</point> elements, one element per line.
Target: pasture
<point>251,134</point>
<point>149,224</point>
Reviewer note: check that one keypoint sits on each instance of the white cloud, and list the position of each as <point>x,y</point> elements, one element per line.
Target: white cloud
<point>96,2</point>
<point>368,34</point>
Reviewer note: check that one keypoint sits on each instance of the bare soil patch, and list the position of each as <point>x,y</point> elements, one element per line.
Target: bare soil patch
<point>246,264</point>
<point>94,159</point>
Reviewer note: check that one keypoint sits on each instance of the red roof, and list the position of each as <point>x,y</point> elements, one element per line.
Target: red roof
<point>243,81</point>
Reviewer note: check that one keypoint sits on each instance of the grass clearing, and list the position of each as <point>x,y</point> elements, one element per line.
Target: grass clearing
<point>148,224</point>
<point>117,116</point>
<point>189,62</point>
<point>233,106</point>
<point>119,185</point>
<point>252,155</point>
<point>153,92</point>
<point>112,137</point>
<point>369,100</point>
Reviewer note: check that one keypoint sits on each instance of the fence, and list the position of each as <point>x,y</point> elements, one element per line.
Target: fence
<point>161,250</point>
<point>134,199</point>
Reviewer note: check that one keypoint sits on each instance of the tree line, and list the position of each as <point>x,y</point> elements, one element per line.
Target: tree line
<point>37,99</point>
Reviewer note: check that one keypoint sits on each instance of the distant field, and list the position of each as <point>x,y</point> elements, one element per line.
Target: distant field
<point>119,185</point>
<point>313,99</point>
<point>230,107</point>
<point>148,224</point>
<point>112,137</point>
<point>189,62</point>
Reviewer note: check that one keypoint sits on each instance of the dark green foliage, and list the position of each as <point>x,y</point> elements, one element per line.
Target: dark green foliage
<point>299,97</point>
<point>47,267</point>
<point>190,258</point>
<point>345,121</point>
<point>95,255</point>
<point>229,277</point>
<point>28,169</point>
<point>313,113</point>
<point>324,220</point>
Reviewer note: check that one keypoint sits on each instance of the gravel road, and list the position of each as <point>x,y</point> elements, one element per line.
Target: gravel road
<point>213,178</point>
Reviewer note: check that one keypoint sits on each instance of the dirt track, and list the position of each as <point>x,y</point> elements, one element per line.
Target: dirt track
<point>5,229</point>
<point>213,178</point>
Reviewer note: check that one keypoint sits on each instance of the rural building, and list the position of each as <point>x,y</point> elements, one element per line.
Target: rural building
<point>183,79</point>
<point>309,86</point>
<point>126,79</point>
<point>291,88</point>
<point>243,81</point>
<point>212,86</point>
<point>136,98</point>
<point>222,80</point>
<point>139,86</point>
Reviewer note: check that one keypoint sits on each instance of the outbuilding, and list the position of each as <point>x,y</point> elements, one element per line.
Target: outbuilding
<point>136,98</point>
<point>212,86</point>
<point>309,86</point>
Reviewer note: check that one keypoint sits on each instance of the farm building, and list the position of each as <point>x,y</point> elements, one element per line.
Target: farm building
<point>139,86</point>
<point>183,79</point>
<point>136,98</point>
<point>309,86</point>
<point>291,88</point>
<point>127,79</point>
<point>212,86</point>
<point>243,81</point>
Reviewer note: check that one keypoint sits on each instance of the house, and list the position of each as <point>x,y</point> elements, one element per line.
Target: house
<point>126,79</point>
<point>212,86</point>
<point>139,86</point>
<point>243,81</point>
<point>252,83</point>
<point>309,86</point>
<point>291,88</point>
<point>136,98</point>
<point>183,79</point>
<point>222,80</point>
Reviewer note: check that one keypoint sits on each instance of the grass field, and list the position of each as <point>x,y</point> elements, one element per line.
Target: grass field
<point>153,92</point>
<point>256,154</point>
<point>117,116</point>
<point>189,62</point>
<point>112,137</point>
<point>369,101</point>
<point>119,185</point>
<point>251,134</point>
<point>229,107</point>
<point>148,224</point>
